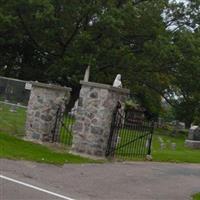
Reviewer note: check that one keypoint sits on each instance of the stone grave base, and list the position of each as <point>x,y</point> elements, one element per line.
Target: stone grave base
<point>192,144</point>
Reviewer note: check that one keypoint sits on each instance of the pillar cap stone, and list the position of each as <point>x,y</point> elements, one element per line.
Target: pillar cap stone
<point>50,86</point>
<point>105,86</point>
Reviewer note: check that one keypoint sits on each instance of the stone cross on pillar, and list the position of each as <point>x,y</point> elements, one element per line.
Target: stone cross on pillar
<point>87,74</point>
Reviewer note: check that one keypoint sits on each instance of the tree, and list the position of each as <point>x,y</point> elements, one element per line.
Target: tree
<point>187,78</point>
<point>51,40</point>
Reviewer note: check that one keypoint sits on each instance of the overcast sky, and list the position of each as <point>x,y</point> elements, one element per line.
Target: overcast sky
<point>181,1</point>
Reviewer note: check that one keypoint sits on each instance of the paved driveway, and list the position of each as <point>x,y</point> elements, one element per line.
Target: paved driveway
<point>120,181</point>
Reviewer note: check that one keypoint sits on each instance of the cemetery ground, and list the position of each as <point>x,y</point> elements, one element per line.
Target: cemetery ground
<point>13,147</point>
<point>92,179</point>
<point>166,147</point>
<point>196,196</point>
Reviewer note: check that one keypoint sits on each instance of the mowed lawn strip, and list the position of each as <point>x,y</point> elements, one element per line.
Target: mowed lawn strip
<point>179,155</point>
<point>196,196</point>
<point>12,122</point>
<point>15,148</point>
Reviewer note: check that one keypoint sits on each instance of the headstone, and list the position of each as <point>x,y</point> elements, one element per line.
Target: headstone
<point>149,157</point>
<point>168,141</point>
<point>147,143</point>
<point>194,133</point>
<point>160,139</point>
<point>173,146</point>
<point>162,146</point>
<point>193,140</point>
<point>13,108</point>
<point>160,122</point>
<point>180,126</point>
<point>118,139</point>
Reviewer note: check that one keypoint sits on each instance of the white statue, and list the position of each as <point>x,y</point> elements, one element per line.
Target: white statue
<point>117,82</point>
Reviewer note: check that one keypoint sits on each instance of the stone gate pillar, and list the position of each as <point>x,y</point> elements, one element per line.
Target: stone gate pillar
<point>94,115</point>
<point>42,107</point>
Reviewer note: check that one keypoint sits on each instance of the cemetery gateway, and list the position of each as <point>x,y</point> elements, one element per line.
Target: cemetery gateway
<point>95,127</point>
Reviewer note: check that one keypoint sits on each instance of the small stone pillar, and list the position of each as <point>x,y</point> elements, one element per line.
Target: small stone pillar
<point>193,140</point>
<point>94,116</point>
<point>42,108</point>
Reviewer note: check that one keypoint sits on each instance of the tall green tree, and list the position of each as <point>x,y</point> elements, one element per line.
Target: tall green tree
<point>147,41</point>
<point>187,76</point>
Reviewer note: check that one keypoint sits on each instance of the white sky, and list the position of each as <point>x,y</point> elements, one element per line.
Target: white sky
<point>184,1</point>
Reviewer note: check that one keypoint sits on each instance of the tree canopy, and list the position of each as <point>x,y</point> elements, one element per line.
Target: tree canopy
<point>153,44</point>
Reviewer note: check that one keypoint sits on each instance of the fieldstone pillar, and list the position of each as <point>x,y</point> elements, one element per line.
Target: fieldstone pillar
<point>94,115</point>
<point>193,140</point>
<point>42,108</point>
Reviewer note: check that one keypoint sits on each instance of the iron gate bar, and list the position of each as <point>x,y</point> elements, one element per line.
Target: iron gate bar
<point>111,133</point>
<point>132,141</point>
<point>66,130</point>
<point>141,141</point>
<point>62,130</point>
<point>128,136</point>
<point>151,137</point>
<point>58,112</point>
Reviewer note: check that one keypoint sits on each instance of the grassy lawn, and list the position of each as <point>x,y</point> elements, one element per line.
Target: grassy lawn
<point>168,154</point>
<point>15,148</point>
<point>196,196</point>
<point>12,122</point>
<point>66,130</point>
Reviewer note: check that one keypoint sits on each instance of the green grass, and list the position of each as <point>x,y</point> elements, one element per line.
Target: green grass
<point>15,148</point>
<point>66,133</point>
<point>167,154</point>
<point>12,122</point>
<point>196,196</point>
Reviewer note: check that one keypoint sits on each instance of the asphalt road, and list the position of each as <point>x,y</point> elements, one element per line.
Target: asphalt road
<point>117,181</point>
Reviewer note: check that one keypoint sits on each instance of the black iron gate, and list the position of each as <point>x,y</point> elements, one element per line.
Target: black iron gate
<point>129,137</point>
<point>62,131</point>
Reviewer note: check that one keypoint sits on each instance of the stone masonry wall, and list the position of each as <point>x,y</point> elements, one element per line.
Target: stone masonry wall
<point>94,115</point>
<point>42,107</point>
